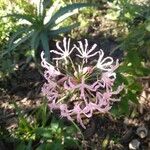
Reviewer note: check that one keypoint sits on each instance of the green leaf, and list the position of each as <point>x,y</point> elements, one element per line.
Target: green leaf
<point>64,10</point>
<point>136,60</point>
<point>46,3</point>
<point>135,87</point>
<point>71,143</point>
<point>40,8</point>
<point>63,17</point>
<point>148,27</point>
<point>24,125</point>
<point>44,132</point>
<point>130,79</point>
<point>146,71</point>
<point>122,108</point>
<point>61,30</point>
<point>6,65</point>
<point>22,40</point>
<point>132,97</point>
<point>56,145</point>
<point>35,40</point>
<point>53,7</point>
<point>29,146</point>
<point>54,124</point>
<point>71,130</point>
<point>19,32</point>
<point>45,44</point>
<point>121,79</point>
<point>29,18</point>
<point>21,146</point>
<point>41,147</point>
<point>42,115</point>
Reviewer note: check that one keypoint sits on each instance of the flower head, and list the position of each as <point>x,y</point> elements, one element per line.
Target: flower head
<point>79,89</point>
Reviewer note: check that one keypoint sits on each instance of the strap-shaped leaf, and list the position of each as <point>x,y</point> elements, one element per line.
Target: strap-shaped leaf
<point>15,35</point>
<point>45,44</point>
<point>65,16</point>
<point>40,8</point>
<point>51,10</point>
<point>22,40</point>
<point>35,41</point>
<point>61,30</point>
<point>29,146</point>
<point>46,3</point>
<point>69,8</point>
<point>29,18</point>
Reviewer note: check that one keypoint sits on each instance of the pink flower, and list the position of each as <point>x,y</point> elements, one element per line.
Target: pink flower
<point>50,72</point>
<point>63,53</point>
<point>88,109</point>
<point>50,92</point>
<point>96,85</point>
<point>78,111</point>
<point>85,70</point>
<point>81,86</point>
<point>108,78</point>
<point>103,104</point>
<point>53,105</point>
<point>65,112</point>
<point>84,52</point>
<point>80,90</point>
<point>88,70</point>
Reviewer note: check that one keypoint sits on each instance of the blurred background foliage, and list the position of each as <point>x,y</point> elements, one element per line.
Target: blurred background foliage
<point>127,22</point>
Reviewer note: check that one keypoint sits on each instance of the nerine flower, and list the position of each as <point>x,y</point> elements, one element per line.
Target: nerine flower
<point>84,89</point>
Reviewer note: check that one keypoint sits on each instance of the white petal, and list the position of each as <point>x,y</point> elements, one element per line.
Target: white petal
<point>93,47</point>
<point>81,46</point>
<point>58,46</point>
<point>56,52</point>
<point>65,43</point>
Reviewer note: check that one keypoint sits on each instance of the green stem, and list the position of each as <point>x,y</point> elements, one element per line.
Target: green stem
<point>72,64</point>
<point>78,129</point>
